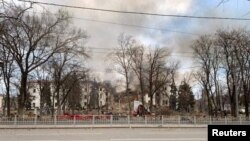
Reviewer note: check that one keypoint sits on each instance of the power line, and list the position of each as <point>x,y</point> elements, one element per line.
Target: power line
<point>137,13</point>
<point>182,56</point>
<point>109,48</point>
<point>192,67</point>
<point>107,52</point>
<point>138,26</point>
<point>131,25</point>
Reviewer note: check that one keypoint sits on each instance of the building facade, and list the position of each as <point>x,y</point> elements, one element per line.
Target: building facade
<point>34,92</point>
<point>94,95</point>
<point>88,89</point>
<point>161,99</point>
<point>37,104</point>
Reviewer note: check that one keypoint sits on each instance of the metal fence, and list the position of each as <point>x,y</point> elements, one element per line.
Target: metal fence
<point>121,120</point>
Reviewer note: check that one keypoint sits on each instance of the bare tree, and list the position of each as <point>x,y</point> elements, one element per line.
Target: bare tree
<point>72,92</point>
<point>137,54</point>
<point>235,44</point>
<point>227,41</point>
<point>62,67</point>
<point>202,51</point>
<point>216,64</point>
<point>71,88</point>
<point>32,40</point>
<point>243,59</point>
<point>123,60</point>
<point>44,85</point>
<point>157,74</point>
<point>5,5</point>
<point>207,56</point>
<point>59,71</point>
<point>7,68</point>
<point>6,58</point>
<point>227,54</point>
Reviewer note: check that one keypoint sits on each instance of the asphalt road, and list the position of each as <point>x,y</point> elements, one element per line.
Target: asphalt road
<point>105,134</point>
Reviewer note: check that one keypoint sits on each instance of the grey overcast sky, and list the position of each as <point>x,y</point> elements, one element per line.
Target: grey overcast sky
<point>176,33</point>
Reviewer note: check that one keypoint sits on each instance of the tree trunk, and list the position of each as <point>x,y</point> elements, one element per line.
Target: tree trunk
<point>53,104</point>
<point>41,101</point>
<point>233,109</point>
<point>64,108</point>
<point>8,101</point>
<point>217,95</point>
<point>246,100</point>
<point>151,103</point>
<point>233,105</point>
<point>127,93</point>
<point>58,102</point>
<point>150,90</point>
<point>23,94</point>
<point>142,90</point>
<point>235,102</point>
<point>6,78</point>
<point>246,105</point>
<point>210,108</point>
<point>107,102</point>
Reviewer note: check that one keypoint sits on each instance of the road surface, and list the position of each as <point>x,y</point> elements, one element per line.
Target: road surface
<point>105,134</point>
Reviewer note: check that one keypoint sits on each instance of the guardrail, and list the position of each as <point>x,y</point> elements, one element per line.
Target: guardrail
<point>121,120</point>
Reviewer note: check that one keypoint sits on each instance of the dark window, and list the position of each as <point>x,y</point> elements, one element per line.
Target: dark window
<point>34,90</point>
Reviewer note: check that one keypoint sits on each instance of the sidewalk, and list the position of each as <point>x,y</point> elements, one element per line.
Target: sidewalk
<point>101,126</point>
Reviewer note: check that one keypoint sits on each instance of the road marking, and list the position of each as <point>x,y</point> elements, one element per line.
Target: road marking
<point>136,139</point>
<point>160,139</point>
<point>67,140</point>
<point>41,134</point>
<point>162,133</point>
<point>139,139</point>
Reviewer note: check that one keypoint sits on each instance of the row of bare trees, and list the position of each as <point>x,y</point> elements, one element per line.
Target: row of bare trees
<point>224,67</point>
<point>151,66</point>
<point>45,47</point>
